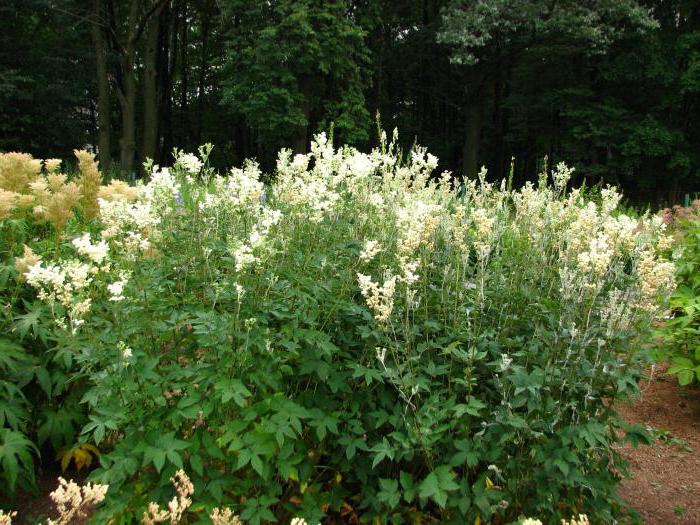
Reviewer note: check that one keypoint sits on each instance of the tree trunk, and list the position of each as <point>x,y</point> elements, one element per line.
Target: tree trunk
<point>127,93</point>
<point>203,67</point>
<point>472,134</point>
<point>502,160</point>
<point>103,101</point>
<point>301,139</point>
<point>168,63</point>
<point>150,87</point>
<point>184,116</point>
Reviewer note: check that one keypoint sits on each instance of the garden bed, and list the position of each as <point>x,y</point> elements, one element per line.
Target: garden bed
<point>665,481</point>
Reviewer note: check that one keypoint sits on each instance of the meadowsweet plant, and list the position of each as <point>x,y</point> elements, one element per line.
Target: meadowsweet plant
<point>362,339</point>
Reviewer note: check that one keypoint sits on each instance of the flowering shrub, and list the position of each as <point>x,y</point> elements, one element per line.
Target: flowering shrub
<point>680,214</point>
<point>360,339</point>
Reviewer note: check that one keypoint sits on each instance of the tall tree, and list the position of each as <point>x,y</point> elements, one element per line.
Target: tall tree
<point>128,22</point>
<point>296,65</point>
<point>480,33</point>
<point>46,76</point>
<point>104,105</point>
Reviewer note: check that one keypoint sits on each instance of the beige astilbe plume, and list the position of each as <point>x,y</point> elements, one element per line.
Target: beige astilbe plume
<point>224,516</point>
<point>55,199</point>
<point>18,171</point>
<point>176,507</point>
<point>52,165</point>
<point>75,502</point>
<point>6,518</point>
<point>118,190</point>
<point>8,203</point>
<point>89,182</point>
<point>28,259</point>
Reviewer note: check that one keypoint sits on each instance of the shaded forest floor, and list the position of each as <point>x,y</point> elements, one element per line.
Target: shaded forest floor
<point>665,484</point>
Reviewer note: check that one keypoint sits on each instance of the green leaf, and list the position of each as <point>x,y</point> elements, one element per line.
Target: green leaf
<point>686,376</point>
<point>389,492</point>
<point>438,484</point>
<point>232,389</point>
<point>197,465</point>
<point>16,456</point>
<point>44,379</point>
<point>382,450</point>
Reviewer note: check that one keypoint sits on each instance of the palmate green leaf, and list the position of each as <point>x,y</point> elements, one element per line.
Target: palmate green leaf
<point>323,423</point>
<point>30,321</point>
<point>408,486</point>
<point>13,407</point>
<point>13,357</point>
<point>473,408</point>
<point>156,448</point>
<point>197,464</point>
<point>234,389</point>
<point>685,377</point>
<point>98,426</point>
<point>389,492</point>
<point>16,456</point>
<point>257,510</point>
<point>684,369</point>
<point>438,484</point>
<point>466,454</point>
<point>382,451</point>
<point>59,425</point>
<point>44,379</point>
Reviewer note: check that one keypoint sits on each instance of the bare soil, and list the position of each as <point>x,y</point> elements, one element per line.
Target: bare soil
<point>665,484</point>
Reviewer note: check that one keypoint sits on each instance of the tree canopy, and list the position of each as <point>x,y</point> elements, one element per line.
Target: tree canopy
<point>611,86</point>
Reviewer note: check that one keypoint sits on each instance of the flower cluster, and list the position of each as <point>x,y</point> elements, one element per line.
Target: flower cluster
<point>74,502</point>
<point>370,249</point>
<point>176,507</point>
<point>380,299</point>
<point>129,227</point>
<point>188,162</point>
<point>656,278</point>
<point>224,517</point>
<point>89,182</point>
<point>64,284</point>
<point>97,253</point>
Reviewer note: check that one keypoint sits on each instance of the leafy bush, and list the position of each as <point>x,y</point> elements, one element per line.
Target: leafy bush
<point>681,332</point>
<point>358,339</point>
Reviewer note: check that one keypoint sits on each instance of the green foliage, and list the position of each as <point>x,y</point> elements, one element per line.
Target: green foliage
<point>610,86</point>
<point>290,62</point>
<point>475,28</point>
<point>39,392</point>
<point>16,453</point>
<point>681,332</point>
<point>43,79</point>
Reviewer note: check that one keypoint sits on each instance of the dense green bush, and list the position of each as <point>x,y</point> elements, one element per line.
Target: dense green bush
<point>357,340</point>
<point>681,332</point>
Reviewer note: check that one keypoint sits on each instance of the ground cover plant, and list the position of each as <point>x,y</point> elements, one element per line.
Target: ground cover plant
<point>360,340</point>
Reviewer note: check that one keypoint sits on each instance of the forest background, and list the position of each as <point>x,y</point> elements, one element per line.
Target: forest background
<point>610,86</point>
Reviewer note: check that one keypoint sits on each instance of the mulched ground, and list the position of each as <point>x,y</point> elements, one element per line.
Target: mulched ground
<point>665,484</point>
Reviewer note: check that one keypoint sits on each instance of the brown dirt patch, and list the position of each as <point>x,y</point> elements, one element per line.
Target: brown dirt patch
<point>665,484</point>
